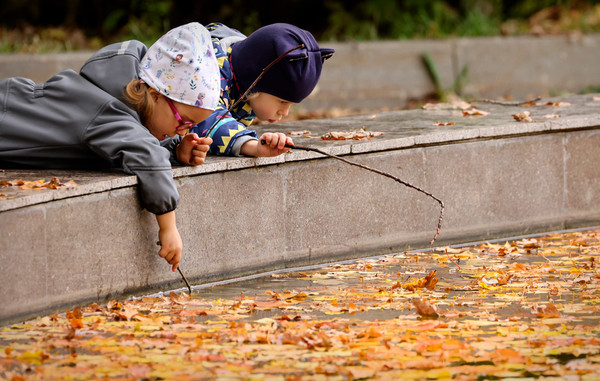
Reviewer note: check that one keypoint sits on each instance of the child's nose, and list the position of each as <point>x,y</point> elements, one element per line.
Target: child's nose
<point>285,110</point>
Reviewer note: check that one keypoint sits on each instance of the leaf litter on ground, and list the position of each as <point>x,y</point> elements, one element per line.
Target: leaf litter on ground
<point>527,308</point>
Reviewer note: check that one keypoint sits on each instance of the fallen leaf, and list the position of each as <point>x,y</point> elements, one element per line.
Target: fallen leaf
<point>355,134</point>
<point>529,104</point>
<point>428,282</point>
<point>424,308</point>
<point>460,104</point>
<point>299,133</point>
<point>558,104</point>
<point>548,311</point>
<point>523,116</point>
<point>54,183</point>
<point>361,372</point>
<point>299,296</point>
<point>475,112</point>
<point>34,357</point>
<point>181,298</point>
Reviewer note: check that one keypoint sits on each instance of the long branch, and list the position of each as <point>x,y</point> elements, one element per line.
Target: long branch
<point>506,103</point>
<point>442,207</point>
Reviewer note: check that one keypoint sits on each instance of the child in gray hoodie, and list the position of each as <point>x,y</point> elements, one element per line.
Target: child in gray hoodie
<point>115,113</point>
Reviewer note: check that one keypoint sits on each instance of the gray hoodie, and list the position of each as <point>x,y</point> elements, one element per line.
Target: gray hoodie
<point>81,121</point>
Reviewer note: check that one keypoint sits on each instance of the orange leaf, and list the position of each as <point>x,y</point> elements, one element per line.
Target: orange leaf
<point>181,298</point>
<point>76,323</point>
<point>369,333</point>
<point>550,311</point>
<point>424,308</point>
<point>76,314</point>
<point>558,104</point>
<point>428,282</point>
<point>299,296</point>
<point>523,117</point>
<point>274,295</point>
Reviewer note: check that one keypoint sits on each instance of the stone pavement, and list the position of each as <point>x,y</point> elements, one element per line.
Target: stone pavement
<point>241,216</point>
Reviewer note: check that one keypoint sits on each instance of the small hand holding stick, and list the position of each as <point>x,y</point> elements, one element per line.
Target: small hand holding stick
<point>180,273</point>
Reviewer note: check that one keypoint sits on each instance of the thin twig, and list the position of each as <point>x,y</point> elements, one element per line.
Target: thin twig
<point>185,280</point>
<point>506,103</point>
<point>439,225</point>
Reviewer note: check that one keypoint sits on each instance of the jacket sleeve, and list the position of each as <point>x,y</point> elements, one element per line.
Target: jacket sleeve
<point>119,138</point>
<point>170,144</point>
<point>228,136</point>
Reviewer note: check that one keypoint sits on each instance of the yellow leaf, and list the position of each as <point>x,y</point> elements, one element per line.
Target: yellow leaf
<point>35,357</point>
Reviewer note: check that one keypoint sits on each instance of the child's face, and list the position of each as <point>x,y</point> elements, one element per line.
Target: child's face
<point>164,123</point>
<point>269,108</point>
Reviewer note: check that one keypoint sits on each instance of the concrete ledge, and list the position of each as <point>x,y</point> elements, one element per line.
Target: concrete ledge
<point>240,216</point>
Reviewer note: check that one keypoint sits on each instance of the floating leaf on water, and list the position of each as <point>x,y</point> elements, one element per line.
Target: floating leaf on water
<point>424,308</point>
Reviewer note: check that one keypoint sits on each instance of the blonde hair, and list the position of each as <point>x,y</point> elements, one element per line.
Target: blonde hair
<point>137,94</point>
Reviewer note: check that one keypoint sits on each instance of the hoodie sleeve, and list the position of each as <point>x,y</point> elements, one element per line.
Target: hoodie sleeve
<point>170,144</point>
<point>119,138</point>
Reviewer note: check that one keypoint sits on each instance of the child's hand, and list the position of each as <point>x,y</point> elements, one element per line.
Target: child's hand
<point>169,239</point>
<point>192,149</point>
<point>171,246</point>
<point>274,144</point>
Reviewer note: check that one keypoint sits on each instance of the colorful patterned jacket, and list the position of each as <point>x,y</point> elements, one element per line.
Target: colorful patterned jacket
<point>231,132</point>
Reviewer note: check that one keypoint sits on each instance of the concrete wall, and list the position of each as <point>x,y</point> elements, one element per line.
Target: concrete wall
<point>372,75</point>
<point>242,216</point>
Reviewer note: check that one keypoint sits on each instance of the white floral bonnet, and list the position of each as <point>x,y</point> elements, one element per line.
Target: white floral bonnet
<point>182,66</point>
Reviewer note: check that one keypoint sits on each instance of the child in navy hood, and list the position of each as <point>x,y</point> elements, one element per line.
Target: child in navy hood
<point>241,60</point>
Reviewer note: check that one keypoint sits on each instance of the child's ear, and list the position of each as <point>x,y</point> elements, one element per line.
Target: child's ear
<point>154,94</point>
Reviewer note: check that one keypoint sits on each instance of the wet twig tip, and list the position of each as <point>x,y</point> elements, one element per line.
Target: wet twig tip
<point>439,226</point>
<point>185,280</point>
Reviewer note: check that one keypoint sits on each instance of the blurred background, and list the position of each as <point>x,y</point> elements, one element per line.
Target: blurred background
<point>41,26</point>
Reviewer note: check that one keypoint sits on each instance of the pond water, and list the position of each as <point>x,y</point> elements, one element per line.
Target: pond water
<point>517,308</point>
